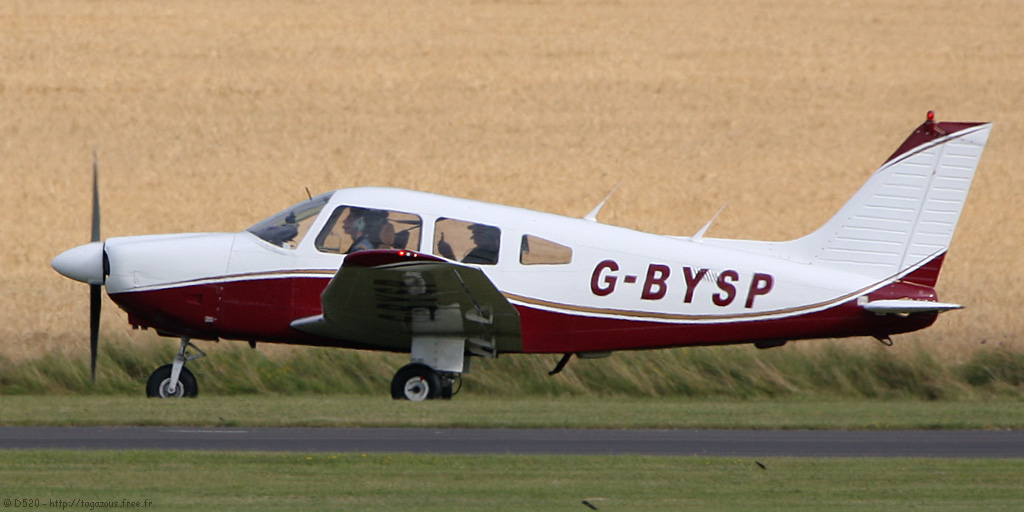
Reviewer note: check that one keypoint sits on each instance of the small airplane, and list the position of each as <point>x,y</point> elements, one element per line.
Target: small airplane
<point>447,279</point>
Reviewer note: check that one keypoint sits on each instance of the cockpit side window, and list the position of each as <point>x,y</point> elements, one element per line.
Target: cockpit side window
<point>287,228</point>
<point>352,228</point>
<point>468,242</point>
<point>537,251</point>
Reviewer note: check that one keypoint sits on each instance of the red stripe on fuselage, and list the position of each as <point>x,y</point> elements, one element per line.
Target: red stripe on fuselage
<point>250,309</point>
<point>263,309</point>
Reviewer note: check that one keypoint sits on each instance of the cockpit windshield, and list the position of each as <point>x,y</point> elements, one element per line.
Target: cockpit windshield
<point>287,228</point>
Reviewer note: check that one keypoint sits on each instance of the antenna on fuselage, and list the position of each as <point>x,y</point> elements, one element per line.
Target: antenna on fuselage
<point>700,234</point>
<point>592,216</point>
<point>310,196</point>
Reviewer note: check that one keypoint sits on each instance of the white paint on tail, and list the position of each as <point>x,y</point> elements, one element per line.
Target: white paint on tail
<point>902,218</point>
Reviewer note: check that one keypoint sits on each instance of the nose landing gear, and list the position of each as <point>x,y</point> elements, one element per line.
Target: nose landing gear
<point>174,380</point>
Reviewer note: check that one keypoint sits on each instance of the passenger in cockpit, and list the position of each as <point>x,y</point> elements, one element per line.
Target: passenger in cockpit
<point>487,240</point>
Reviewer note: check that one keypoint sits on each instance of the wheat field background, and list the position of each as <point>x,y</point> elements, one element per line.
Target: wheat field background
<point>208,116</point>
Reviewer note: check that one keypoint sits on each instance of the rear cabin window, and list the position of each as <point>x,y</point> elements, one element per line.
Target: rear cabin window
<point>465,241</point>
<point>538,251</point>
<point>351,229</point>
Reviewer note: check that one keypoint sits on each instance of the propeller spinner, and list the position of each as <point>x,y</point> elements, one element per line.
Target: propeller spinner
<point>86,263</point>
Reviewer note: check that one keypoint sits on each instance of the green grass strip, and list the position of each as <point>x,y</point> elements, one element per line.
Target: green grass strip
<point>250,482</point>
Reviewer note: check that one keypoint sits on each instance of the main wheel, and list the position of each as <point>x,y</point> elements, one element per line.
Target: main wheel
<point>160,381</point>
<point>416,382</point>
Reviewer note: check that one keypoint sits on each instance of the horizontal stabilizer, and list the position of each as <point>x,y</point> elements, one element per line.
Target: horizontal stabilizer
<point>907,306</point>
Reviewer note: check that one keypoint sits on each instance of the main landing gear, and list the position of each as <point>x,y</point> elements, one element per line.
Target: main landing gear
<point>174,380</point>
<point>418,382</point>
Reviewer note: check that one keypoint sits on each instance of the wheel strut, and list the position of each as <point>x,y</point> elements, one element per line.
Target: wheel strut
<point>180,360</point>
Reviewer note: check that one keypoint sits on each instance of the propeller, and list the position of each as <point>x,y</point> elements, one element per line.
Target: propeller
<point>95,290</point>
<point>88,264</point>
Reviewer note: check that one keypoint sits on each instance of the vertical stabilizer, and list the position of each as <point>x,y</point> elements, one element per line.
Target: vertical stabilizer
<point>902,220</point>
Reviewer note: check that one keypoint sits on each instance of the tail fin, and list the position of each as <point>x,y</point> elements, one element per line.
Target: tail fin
<point>901,222</point>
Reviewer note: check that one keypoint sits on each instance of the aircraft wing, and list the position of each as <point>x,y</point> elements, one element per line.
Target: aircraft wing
<point>384,299</point>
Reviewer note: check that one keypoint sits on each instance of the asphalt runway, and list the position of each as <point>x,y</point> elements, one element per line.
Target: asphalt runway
<point>735,443</point>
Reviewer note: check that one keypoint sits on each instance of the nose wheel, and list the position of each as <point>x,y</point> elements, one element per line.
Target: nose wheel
<point>159,384</point>
<point>174,380</point>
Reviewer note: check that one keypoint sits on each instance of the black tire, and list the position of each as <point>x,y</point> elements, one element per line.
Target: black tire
<point>156,387</point>
<point>416,382</point>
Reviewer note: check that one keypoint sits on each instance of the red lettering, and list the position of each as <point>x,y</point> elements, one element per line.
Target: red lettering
<point>609,280</point>
<point>729,290</point>
<point>761,285</point>
<point>655,287</point>
<point>692,280</point>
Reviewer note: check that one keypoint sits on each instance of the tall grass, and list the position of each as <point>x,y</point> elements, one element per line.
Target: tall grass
<point>727,372</point>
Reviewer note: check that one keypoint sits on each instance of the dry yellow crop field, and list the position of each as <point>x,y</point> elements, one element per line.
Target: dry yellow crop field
<point>208,116</point>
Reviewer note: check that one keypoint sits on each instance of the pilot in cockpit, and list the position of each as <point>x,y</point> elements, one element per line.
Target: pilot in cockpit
<point>365,226</point>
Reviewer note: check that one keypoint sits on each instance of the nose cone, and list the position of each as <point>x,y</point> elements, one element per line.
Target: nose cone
<point>83,263</point>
